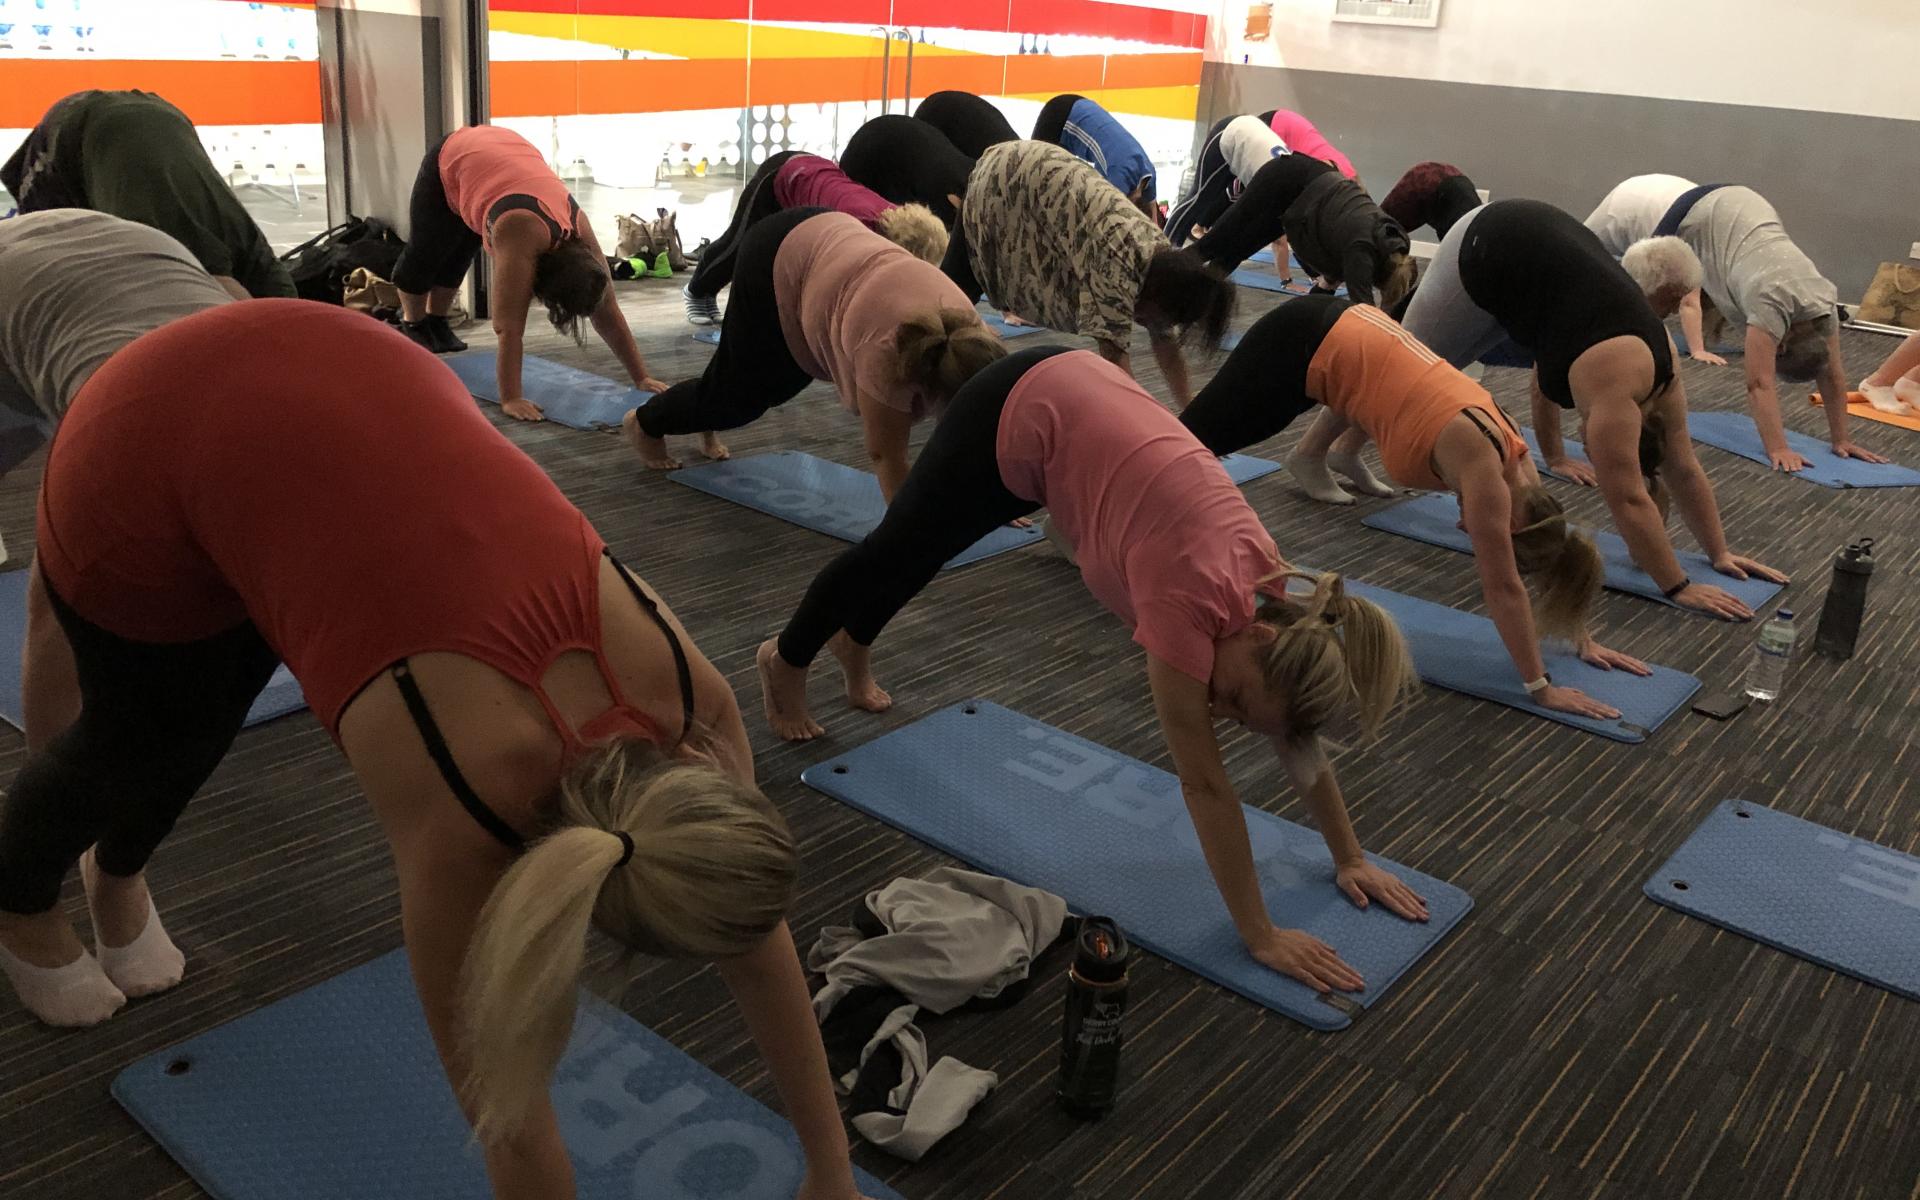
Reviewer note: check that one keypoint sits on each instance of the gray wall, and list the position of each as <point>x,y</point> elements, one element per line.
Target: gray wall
<point>1848,187</point>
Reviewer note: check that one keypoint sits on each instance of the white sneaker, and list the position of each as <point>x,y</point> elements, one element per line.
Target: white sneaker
<point>701,310</point>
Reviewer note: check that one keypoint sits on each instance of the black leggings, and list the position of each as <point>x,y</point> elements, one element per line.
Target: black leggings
<point>952,498</point>
<point>1258,217</point>
<point>1212,189</point>
<point>970,123</point>
<point>1453,199</point>
<point>155,720</point>
<point>757,203</point>
<point>1262,386</point>
<point>958,263</point>
<point>1053,118</point>
<point>440,247</point>
<point>751,369</point>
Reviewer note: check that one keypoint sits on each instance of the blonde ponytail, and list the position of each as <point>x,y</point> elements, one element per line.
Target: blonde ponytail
<point>942,348</point>
<point>915,229</point>
<point>1334,651</point>
<point>710,876</point>
<point>1565,559</point>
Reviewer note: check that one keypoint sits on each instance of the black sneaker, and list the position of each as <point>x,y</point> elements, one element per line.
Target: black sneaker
<point>418,332</point>
<point>444,339</point>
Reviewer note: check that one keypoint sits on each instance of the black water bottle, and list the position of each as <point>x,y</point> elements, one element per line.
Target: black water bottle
<point>1096,1000</point>
<point>1846,601</point>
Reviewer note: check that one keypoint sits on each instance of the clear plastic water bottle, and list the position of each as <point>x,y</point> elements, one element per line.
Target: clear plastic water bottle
<point>1771,654</point>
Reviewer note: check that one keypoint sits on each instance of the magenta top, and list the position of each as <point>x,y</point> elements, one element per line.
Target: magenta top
<point>809,181</point>
<point>1302,138</point>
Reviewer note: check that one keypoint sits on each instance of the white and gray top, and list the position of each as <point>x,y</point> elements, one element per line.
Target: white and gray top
<point>1248,144</point>
<point>1754,273</point>
<point>75,287</point>
<point>1632,211</point>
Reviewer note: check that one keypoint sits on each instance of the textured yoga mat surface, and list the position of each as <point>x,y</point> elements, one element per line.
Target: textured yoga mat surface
<point>1463,653</point>
<point>282,694</point>
<point>1821,895</point>
<point>1735,433</point>
<point>337,1092</point>
<point>1434,518</point>
<point>567,395</point>
<point>1111,835</point>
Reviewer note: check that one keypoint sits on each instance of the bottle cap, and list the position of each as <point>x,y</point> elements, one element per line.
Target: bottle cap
<point>1100,951</point>
<point>1785,614</point>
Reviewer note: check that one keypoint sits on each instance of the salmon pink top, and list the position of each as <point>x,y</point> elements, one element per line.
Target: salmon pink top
<point>809,181</point>
<point>487,170</point>
<point>1165,540</point>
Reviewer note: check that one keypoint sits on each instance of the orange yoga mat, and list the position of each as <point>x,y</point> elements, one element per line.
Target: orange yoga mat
<point>1857,406</point>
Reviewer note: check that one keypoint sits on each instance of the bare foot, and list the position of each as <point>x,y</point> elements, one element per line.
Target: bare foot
<point>652,450</point>
<point>714,448</point>
<point>783,688</point>
<point>523,409</point>
<point>856,664</point>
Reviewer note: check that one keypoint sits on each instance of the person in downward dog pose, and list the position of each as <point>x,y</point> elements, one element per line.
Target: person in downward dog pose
<point>1089,132</point>
<point>1431,193</point>
<point>969,122</point>
<point>541,742</point>
<point>1437,430</point>
<point>792,179</point>
<point>488,188</point>
<point>1304,137</point>
<point>1167,543</point>
<point>1235,150</point>
<point>1525,271</point>
<point>1050,241</point>
<point>818,295</point>
<point>909,161</point>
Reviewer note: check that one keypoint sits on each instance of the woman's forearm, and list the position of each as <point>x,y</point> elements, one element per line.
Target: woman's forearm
<point>1693,496</point>
<point>1221,825</point>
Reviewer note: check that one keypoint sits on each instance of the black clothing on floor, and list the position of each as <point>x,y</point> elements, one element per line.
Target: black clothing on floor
<point>908,161</point>
<point>752,369</point>
<point>1262,386</point>
<point>757,202</point>
<point>951,499</point>
<point>1551,283</point>
<point>970,123</point>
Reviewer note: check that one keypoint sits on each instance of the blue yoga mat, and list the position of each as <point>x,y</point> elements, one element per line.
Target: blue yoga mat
<point>823,496</point>
<point>1735,433</point>
<point>282,694</point>
<point>998,324</point>
<point>1840,901</point>
<point>1111,835</point>
<point>1244,469</point>
<point>1433,518</point>
<point>1574,450</point>
<point>336,1092</point>
<point>569,396</point>
<point>1463,653</point>
<point>1680,344</point>
<point>710,336</point>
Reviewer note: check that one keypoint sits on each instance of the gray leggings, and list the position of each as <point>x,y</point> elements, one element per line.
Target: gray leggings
<point>1442,315</point>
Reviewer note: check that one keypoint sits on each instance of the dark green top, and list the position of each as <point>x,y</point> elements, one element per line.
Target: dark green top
<point>138,157</point>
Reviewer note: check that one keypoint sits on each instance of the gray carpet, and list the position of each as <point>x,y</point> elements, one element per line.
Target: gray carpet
<point>1570,1039</point>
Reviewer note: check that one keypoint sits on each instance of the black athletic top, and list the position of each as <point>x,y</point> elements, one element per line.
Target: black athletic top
<point>908,161</point>
<point>1556,290</point>
<point>1262,386</point>
<point>1338,232</point>
<point>969,122</point>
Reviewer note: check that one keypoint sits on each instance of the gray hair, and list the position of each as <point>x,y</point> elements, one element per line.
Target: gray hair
<point>1660,263</point>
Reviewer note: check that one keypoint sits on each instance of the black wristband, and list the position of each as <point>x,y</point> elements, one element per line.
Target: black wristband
<point>1676,589</point>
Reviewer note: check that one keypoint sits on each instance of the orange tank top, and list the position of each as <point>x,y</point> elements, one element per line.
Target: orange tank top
<point>1383,379</point>
<point>483,167</point>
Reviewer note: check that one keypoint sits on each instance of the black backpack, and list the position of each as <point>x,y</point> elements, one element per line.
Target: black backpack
<point>321,264</point>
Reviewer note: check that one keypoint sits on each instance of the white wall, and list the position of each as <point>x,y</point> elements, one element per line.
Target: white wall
<point>1842,56</point>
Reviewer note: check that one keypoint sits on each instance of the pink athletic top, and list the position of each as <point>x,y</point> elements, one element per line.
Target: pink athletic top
<point>1165,540</point>
<point>488,170</point>
<point>843,291</point>
<point>809,181</point>
<point>353,533</point>
<point>1302,138</point>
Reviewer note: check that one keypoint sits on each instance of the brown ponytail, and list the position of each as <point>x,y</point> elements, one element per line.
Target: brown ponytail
<point>1566,560</point>
<point>942,348</point>
<point>1334,651</point>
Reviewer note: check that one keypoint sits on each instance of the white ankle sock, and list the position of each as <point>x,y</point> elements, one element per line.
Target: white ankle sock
<point>149,963</point>
<point>1355,469</point>
<point>1908,390</point>
<point>1311,475</point>
<point>1885,398</point>
<point>73,996</point>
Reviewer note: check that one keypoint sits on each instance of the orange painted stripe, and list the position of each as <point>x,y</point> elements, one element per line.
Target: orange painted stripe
<point>228,92</point>
<point>1151,70</point>
<point>983,74</point>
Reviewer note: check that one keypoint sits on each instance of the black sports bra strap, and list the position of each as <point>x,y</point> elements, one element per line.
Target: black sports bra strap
<point>680,664</point>
<point>443,758</point>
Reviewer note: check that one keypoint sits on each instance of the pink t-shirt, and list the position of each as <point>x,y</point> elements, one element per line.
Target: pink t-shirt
<point>843,291</point>
<point>1302,138</point>
<point>809,181</point>
<point>484,164</point>
<point>1165,540</point>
